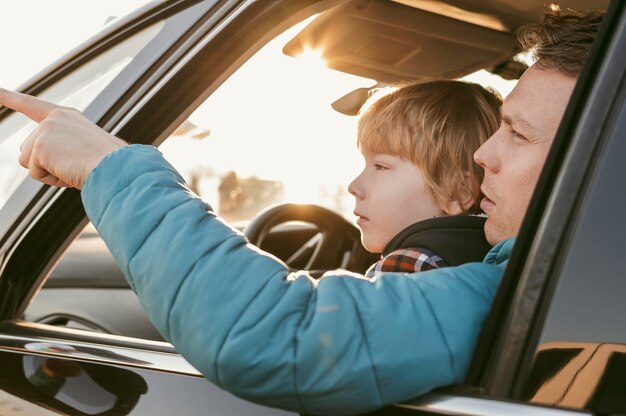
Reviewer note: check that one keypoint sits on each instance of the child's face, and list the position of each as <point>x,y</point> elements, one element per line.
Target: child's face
<point>390,195</point>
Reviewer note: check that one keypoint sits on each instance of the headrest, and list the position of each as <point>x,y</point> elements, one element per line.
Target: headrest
<point>457,239</point>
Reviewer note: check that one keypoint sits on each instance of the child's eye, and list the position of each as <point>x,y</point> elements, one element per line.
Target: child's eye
<point>378,166</point>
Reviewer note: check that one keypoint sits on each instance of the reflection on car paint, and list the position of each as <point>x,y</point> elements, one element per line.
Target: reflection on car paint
<point>84,388</point>
<point>76,386</point>
<point>579,375</point>
<point>70,387</point>
<point>81,351</point>
<point>102,353</point>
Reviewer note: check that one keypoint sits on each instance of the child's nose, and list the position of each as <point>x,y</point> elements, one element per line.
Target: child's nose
<point>355,189</point>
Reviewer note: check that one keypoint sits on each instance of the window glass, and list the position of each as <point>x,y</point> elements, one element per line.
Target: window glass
<point>269,134</point>
<point>586,313</point>
<point>77,90</point>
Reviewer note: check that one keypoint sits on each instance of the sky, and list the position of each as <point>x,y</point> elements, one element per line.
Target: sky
<point>35,33</point>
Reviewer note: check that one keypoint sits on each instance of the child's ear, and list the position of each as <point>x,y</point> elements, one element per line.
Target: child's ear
<point>461,205</point>
<point>453,208</point>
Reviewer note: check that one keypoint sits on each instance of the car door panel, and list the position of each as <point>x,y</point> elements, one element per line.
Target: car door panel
<point>87,376</point>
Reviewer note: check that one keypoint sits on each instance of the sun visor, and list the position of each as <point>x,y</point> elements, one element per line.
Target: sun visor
<point>391,42</point>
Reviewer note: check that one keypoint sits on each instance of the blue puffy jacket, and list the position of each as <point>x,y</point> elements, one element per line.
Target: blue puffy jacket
<point>343,344</point>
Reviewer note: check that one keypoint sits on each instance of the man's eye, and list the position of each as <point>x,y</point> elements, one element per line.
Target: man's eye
<point>518,137</point>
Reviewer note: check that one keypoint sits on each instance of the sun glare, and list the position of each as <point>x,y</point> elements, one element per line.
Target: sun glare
<point>312,57</point>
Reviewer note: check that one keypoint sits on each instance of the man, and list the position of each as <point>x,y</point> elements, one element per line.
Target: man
<point>513,157</point>
<point>344,344</point>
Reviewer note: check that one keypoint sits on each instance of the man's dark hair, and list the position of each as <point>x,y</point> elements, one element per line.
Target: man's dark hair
<point>562,40</point>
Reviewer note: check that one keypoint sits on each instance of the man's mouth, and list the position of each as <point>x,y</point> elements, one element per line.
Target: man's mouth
<point>486,204</point>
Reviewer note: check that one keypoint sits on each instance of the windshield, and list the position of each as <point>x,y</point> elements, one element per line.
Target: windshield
<point>269,135</point>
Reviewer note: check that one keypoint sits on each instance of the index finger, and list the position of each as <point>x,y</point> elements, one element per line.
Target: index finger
<point>32,107</point>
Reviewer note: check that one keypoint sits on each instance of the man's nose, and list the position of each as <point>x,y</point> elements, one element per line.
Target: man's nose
<point>486,155</point>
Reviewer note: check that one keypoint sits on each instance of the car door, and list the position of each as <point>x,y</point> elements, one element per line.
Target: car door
<point>37,223</point>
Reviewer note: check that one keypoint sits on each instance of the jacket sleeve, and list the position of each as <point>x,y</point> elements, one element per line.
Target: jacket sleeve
<point>343,344</point>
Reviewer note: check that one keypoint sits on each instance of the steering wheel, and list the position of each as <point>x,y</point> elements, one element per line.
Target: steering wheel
<point>337,243</point>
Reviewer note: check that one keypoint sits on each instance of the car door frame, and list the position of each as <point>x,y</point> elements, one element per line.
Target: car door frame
<point>152,110</point>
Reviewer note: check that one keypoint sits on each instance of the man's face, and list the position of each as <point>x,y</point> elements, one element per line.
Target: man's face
<point>513,157</point>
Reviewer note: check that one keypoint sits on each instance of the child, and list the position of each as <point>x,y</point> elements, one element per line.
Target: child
<point>418,143</point>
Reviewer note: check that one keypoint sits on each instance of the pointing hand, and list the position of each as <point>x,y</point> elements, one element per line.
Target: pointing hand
<point>65,147</point>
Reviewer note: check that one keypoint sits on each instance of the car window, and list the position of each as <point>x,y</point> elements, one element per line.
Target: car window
<point>579,360</point>
<point>267,135</point>
<point>77,90</point>
<point>253,143</point>
<point>256,140</point>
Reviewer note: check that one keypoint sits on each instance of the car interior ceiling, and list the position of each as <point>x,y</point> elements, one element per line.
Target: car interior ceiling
<point>396,42</point>
<point>400,41</point>
<point>420,39</point>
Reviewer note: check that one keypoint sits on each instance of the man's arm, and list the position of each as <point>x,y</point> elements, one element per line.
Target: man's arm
<point>340,345</point>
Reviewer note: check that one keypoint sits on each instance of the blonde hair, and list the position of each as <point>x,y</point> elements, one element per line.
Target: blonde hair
<point>437,125</point>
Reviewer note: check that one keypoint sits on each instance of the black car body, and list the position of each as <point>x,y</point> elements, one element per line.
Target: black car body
<point>554,342</point>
